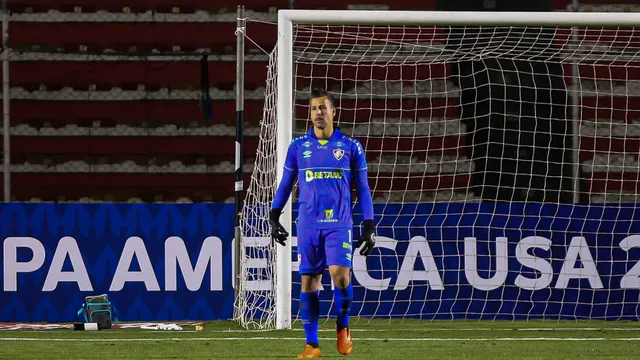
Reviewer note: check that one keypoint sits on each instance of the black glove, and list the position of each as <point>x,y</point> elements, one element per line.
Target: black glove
<point>278,233</point>
<point>368,238</point>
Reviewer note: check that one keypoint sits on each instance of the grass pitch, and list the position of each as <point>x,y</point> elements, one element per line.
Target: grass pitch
<point>379,339</point>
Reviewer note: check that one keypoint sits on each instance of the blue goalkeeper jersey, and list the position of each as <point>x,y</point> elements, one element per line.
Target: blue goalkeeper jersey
<point>325,169</point>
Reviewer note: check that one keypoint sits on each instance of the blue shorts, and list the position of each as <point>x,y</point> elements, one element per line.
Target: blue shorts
<point>318,249</point>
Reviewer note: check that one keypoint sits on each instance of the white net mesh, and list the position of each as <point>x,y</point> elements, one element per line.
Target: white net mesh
<point>255,300</point>
<point>473,143</point>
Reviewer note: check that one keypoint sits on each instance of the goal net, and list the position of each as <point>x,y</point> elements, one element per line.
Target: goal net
<point>503,162</point>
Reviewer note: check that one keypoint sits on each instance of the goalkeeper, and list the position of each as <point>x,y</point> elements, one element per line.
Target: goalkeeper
<point>325,161</point>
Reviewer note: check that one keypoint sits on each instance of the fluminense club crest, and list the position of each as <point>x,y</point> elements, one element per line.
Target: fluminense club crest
<point>338,153</point>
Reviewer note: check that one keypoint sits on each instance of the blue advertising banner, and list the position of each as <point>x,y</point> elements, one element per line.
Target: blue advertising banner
<point>498,261</point>
<point>155,261</point>
<point>444,261</point>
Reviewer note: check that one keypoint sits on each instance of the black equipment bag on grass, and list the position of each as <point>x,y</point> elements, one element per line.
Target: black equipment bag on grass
<point>98,309</point>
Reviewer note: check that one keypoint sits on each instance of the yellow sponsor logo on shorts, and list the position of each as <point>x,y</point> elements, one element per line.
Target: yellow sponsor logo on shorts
<point>328,214</point>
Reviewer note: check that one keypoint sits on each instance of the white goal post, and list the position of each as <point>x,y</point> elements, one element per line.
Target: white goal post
<point>285,124</point>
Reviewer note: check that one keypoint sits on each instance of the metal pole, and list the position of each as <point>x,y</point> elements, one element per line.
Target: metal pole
<point>6,118</point>
<point>575,112</point>
<point>239,184</point>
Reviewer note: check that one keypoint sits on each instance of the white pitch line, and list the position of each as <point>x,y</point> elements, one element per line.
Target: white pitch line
<point>440,329</point>
<point>365,330</point>
<point>180,331</point>
<point>572,329</point>
<point>302,339</point>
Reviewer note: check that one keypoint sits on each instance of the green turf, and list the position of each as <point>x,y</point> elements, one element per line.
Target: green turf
<point>380,339</point>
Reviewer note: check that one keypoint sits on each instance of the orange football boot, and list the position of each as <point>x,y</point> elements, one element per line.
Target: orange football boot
<point>345,345</point>
<point>310,352</point>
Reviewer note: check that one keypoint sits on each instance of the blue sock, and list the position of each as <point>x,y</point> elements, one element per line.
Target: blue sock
<point>310,312</point>
<point>343,298</point>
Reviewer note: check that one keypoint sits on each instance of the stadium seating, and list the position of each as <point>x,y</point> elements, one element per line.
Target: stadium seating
<point>105,102</point>
<point>77,134</point>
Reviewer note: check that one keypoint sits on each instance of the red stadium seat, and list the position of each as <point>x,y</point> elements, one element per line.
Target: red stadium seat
<point>153,74</point>
<point>220,147</point>
<point>343,5</point>
<point>590,145</point>
<point>183,112</point>
<point>108,74</point>
<point>204,146</point>
<point>142,5</point>
<point>50,186</point>
<point>564,4</point>
<point>613,182</point>
<point>618,108</point>
<point>613,36</point>
<point>151,3</point>
<point>608,71</point>
<point>144,36</point>
<point>122,186</point>
<point>127,112</point>
<point>186,111</point>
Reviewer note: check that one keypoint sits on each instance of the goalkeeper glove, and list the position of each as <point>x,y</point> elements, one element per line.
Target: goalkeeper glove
<point>368,238</point>
<point>278,233</point>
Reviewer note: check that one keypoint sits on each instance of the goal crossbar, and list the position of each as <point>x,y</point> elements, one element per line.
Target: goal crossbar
<point>453,18</point>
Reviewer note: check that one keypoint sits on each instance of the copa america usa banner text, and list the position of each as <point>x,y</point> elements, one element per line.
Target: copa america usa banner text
<point>156,262</point>
<point>174,262</point>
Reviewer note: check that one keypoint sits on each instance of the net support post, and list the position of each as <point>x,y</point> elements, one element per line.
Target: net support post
<point>6,96</point>
<point>575,112</point>
<point>284,113</point>
<point>239,184</point>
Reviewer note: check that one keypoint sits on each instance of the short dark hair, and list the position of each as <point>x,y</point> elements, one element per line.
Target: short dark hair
<point>319,92</point>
